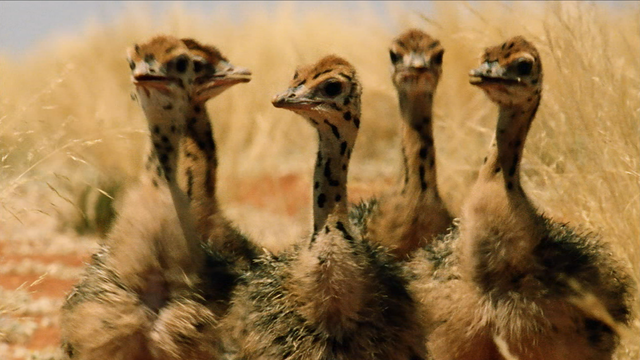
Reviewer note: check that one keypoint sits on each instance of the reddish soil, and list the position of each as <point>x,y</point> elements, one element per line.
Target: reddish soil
<point>44,337</point>
<point>290,194</point>
<point>68,260</point>
<point>284,195</point>
<point>47,286</point>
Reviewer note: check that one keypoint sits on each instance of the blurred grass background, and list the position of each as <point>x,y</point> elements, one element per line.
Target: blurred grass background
<point>71,137</point>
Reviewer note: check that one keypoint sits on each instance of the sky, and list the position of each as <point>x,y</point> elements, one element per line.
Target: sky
<point>23,24</point>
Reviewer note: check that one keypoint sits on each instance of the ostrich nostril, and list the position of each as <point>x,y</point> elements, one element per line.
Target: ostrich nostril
<point>291,96</point>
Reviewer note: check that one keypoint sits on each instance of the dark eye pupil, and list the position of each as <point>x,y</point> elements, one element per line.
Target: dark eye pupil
<point>394,57</point>
<point>181,65</point>
<point>197,66</point>
<point>132,65</point>
<point>438,59</point>
<point>524,68</point>
<point>333,88</point>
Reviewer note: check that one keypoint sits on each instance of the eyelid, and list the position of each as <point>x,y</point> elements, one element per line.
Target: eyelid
<point>328,81</point>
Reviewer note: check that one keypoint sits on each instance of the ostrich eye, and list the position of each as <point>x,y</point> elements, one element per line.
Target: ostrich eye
<point>198,66</point>
<point>437,58</point>
<point>394,57</point>
<point>524,67</point>
<point>182,63</point>
<point>332,88</point>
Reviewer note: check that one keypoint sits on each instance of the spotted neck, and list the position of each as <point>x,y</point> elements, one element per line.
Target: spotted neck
<point>417,145</point>
<point>166,127</point>
<point>330,175</point>
<point>506,148</point>
<point>199,163</point>
<point>166,131</point>
<point>501,226</point>
<point>329,278</point>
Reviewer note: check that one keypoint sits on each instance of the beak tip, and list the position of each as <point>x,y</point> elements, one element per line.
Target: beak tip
<point>243,72</point>
<point>277,101</point>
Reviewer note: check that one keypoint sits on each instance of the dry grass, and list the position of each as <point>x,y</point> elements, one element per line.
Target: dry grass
<point>67,122</point>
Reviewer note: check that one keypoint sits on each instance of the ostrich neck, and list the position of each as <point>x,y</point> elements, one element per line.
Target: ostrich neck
<point>330,178</point>
<point>505,154</point>
<point>199,165</point>
<point>199,158</point>
<point>502,226</point>
<point>417,144</point>
<point>167,126</point>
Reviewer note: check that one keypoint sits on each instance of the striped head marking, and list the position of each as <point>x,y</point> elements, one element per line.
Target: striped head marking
<point>416,60</point>
<point>510,73</point>
<point>213,72</point>
<point>161,67</point>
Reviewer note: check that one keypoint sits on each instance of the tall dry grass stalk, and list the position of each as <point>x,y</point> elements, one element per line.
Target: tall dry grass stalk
<point>66,117</point>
